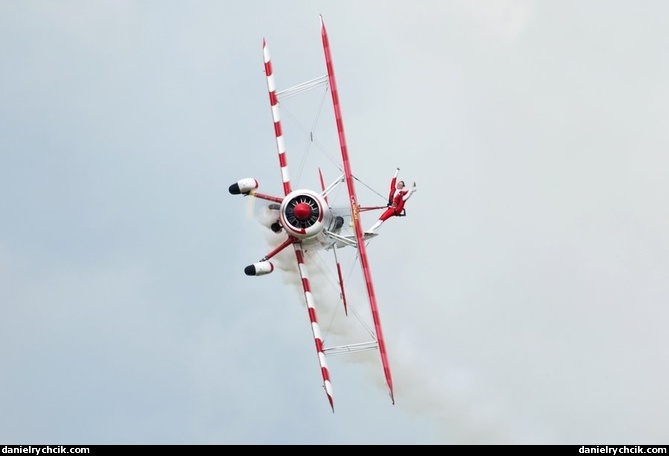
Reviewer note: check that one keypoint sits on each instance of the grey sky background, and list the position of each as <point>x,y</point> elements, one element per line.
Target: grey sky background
<point>524,297</point>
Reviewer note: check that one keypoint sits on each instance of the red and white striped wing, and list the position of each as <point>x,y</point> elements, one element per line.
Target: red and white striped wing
<point>299,254</point>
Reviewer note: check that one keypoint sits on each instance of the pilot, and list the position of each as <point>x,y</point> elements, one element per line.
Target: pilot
<point>397,197</point>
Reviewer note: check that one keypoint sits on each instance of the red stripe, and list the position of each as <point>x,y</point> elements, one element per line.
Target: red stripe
<point>326,375</point>
<point>312,315</point>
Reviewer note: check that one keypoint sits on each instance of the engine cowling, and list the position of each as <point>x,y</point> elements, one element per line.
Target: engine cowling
<point>304,213</point>
<point>243,186</point>
<point>259,269</point>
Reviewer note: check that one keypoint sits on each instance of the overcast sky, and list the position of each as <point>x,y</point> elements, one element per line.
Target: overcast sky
<point>524,298</point>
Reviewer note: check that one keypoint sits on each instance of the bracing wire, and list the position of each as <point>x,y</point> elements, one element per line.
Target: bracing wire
<point>314,140</point>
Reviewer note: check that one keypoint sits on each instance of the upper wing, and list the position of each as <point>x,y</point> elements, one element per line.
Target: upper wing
<point>355,211</point>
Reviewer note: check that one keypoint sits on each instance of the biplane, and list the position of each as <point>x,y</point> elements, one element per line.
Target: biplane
<point>308,222</point>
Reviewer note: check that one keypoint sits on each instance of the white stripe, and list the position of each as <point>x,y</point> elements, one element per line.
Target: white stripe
<point>284,174</point>
<point>276,113</point>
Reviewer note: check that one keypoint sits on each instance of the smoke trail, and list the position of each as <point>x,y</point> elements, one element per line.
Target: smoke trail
<point>461,405</point>
<point>451,397</point>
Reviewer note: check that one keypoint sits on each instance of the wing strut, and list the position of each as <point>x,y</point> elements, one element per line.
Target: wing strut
<point>341,280</point>
<point>355,211</point>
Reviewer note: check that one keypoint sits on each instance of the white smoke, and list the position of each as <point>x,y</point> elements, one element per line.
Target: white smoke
<point>455,398</point>
<point>452,397</point>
